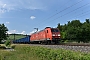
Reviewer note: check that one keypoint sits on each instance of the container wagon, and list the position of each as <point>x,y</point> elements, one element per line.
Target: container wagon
<point>22,40</point>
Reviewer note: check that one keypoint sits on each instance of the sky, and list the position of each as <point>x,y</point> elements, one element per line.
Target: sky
<point>23,16</point>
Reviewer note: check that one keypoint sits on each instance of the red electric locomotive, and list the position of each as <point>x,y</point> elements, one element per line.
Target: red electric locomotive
<point>46,36</point>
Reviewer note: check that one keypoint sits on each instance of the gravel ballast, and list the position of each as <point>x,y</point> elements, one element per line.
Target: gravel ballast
<point>85,49</point>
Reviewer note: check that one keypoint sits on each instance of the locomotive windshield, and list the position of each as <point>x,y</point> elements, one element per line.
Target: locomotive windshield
<point>54,30</point>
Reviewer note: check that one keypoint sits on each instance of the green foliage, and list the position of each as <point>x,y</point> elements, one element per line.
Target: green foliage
<point>3,31</point>
<point>13,46</point>
<point>22,52</point>
<point>86,32</point>
<point>59,27</point>
<point>75,30</point>
<point>27,52</point>
<point>57,54</point>
<point>2,47</point>
<point>8,43</point>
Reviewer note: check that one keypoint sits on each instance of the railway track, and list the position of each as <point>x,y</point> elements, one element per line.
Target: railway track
<point>82,47</point>
<point>68,44</point>
<point>75,44</point>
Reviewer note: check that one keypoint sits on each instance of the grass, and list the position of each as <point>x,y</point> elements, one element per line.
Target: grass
<point>20,53</point>
<point>27,52</point>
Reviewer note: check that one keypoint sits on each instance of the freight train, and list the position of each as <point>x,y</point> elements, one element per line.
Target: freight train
<point>47,36</point>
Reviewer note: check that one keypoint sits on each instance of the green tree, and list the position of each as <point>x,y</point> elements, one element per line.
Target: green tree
<point>86,31</point>
<point>3,32</point>
<point>73,29</point>
<point>62,29</point>
<point>87,21</point>
<point>59,27</point>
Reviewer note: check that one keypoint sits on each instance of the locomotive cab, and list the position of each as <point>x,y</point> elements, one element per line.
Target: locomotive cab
<point>53,34</point>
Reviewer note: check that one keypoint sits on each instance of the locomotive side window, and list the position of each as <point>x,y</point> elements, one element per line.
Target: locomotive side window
<point>54,30</point>
<point>47,31</point>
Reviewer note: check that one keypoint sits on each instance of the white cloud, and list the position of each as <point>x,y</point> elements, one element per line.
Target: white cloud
<point>32,17</point>
<point>32,32</point>
<point>7,22</point>
<point>6,6</point>
<point>2,10</point>
<point>12,31</point>
<point>16,32</point>
<point>23,32</point>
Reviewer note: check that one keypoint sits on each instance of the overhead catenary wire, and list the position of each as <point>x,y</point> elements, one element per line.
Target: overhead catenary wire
<point>78,15</point>
<point>54,11</point>
<point>69,12</point>
<point>84,14</point>
<point>43,20</point>
<point>72,11</point>
<point>65,9</point>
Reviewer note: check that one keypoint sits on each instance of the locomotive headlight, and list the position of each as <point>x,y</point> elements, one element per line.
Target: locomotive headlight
<point>58,34</point>
<point>53,35</point>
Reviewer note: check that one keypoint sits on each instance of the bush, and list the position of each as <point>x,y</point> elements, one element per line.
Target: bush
<point>58,54</point>
<point>2,47</point>
<point>8,43</point>
<point>13,46</point>
<point>24,52</point>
